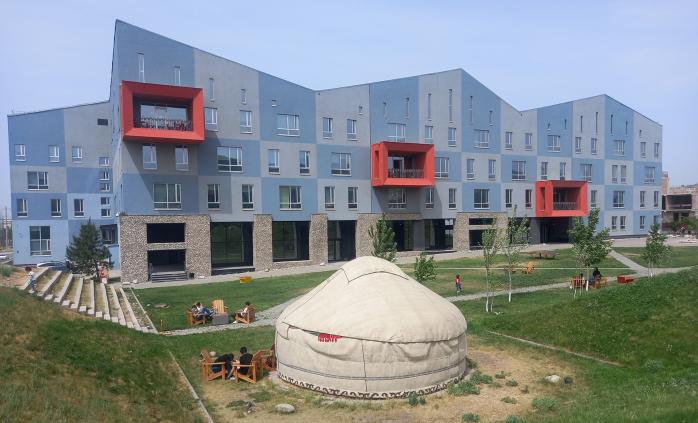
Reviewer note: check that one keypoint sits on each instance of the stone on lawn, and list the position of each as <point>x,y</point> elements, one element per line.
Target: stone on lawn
<point>285,408</point>
<point>568,380</point>
<point>553,379</point>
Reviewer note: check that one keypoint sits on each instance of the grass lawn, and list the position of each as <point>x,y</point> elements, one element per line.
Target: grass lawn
<point>679,257</point>
<point>263,293</point>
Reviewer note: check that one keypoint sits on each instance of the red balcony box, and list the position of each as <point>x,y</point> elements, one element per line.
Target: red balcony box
<point>161,113</point>
<point>561,199</point>
<point>401,164</point>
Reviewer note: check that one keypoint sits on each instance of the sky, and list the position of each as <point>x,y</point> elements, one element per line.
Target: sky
<point>531,53</point>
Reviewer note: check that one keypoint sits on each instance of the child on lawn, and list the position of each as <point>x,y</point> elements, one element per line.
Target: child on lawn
<point>459,288</point>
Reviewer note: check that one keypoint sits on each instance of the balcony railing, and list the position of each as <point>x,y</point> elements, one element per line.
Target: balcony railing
<point>679,206</point>
<point>164,123</point>
<point>565,205</point>
<point>405,173</point>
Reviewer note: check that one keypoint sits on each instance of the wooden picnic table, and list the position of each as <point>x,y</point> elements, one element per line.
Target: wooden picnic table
<point>543,254</point>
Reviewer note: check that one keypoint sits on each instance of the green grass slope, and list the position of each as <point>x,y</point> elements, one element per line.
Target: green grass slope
<point>680,256</point>
<point>57,366</point>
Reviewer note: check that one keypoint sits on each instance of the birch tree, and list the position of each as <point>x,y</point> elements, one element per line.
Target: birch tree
<point>514,240</point>
<point>491,244</point>
<point>656,251</point>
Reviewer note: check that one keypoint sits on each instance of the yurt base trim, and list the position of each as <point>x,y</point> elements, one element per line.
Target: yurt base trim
<point>368,395</point>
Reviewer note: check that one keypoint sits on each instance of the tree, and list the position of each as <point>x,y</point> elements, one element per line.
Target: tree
<point>589,247</point>
<point>491,243</point>
<point>383,239</point>
<point>514,240</point>
<point>424,268</point>
<point>86,252</point>
<point>656,251</point>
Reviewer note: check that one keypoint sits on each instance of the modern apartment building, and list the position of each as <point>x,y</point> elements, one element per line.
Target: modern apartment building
<point>199,164</point>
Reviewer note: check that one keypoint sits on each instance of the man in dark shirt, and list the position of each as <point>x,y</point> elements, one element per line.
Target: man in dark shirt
<point>245,359</point>
<point>225,360</point>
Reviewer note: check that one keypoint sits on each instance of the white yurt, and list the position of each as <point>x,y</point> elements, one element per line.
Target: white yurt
<point>371,331</point>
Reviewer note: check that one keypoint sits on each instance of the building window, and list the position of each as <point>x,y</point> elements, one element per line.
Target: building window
<point>470,109</point>
<point>643,149</point>
<point>429,106</point>
<point>482,138</point>
<point>429,198</point>
<point>586,172</point>
<point>243,96</point>
<point>245,122</point>
<point>614,174</point>
<point>181,158</point>
<point>273,165</point>
<point>622,223</point>
<point>492,169</point>
<point>452,198</point>
<point>54,154</point>
<point>451,137</point>
<point>441,167</point>
<point>167,196</point>
<point>592,200</point>
<point>229,159</point>
<point>554,143</point>
<point>563,171</point>
<point>385,109</point>
<point>543,170</point>
<point>450,105</point>
<point>40,240</point>
<point>642,222</point>
<point>288,125</point>
<point>103,122</point>
<point>78,207</point>
<point>104,186</point>
<point>141,67</point>
<point>596,122</point>
<point>351,130</point>
<point>352,198</point>
<point>528,141</point>
<point>656,199</point>
<point>103,175</point>
<point>108,233</point>
<point>656,150</point>
<point>407,107</point>
<point>105,213</point>
<point>481,198</point>
<point>37,181</point>
<point>623,174</point>
<point>20,152</point>
<point>327,126</point>
<point>341,164</point>
<point>642,199</point>
<point>470,168</point>
<point>290,198</point>
<point>105,202</point>
<point>509,140</point>
<point>76,154</point>
<point>329,198</point>
<point>619,147</point>
<point>614,223</point>
<point>581,123</point>
<point>578,145</point>
<point>618,199</point>
<point>626,127</point>
<point>491,118</point>
<point>508,194</point>
<point>397,132</point>
<point>211,89</point>
<point>304,162</point>
<point>594,146</point>
<point>56,207</point>
<point>611,124</point>
<point>529,198</point>
<point>429,134</point>
<point>397,198</point>
<point>649,174</point>
<point>214,201</point>
<point>150,158</point>
<point>518,170</point>
<point>211,118</point>
<point>177,75</point>
<point>247,197</point>
<point>104,161</point>
<point>22,210</point>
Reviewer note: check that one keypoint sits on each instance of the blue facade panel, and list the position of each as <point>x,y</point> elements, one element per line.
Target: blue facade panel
<point>276,97</point>
<point>469,197</point>
<point>139,199</point>
<point>271,198</point>
<point>619,126</point>
<point>481,111</point>
<point>555,121</point>
<point>394,102</point>
<point>360,161</point>
<point>207,157</point>
<point>37,131</point>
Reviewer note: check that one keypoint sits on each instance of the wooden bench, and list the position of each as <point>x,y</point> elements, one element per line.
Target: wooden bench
<point>600,282</point>
<point>578,282</point>
<point>207,363</point>
<point>528,268</point>
<point>191,321</point>
<point>219,307</point>
<point>625,279</point>
<point>246,319</point>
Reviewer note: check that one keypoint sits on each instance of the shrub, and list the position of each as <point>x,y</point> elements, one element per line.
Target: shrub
<point>472,364</point>
<point>424,268</point>
<point>514,419</point>
<point>496,385</point>
<point>509,400</point>
<point>5,270</point>
<point>413,400</point>
<point>544,404</point>
<point>524,390</point>
<point>479,378</point>
<point>470,417</point>
<point>654,366</point>
<point>462,388</point>
<point>512,382</point>
<point>500,375</point>
<point>260,396</point>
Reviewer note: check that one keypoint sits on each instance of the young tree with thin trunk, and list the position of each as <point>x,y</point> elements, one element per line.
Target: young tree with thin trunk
<point>490,248</point>
<point>86,252</point>
<point>589,246</point>
<point>656,251</point>
<point>514,240</point>
<point>383,239</point>
<point>424,268</point>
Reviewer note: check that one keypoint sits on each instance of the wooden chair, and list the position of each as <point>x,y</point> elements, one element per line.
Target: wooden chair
<point>219,307</point>
<point>528,268</point>
<point>268,357</point>
<point>191,321</point>
<point>207,363</point>
<point>246,319</point>
<point>251,375</point>
<point>600,282</point>
<point>578,282</point>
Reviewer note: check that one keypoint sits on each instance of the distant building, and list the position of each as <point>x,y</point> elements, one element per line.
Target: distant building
<point>678,203</point>
<point>198,164</point>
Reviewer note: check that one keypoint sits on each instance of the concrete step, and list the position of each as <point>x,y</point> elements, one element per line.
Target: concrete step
<point>91,298</point>
<point>75,301</point>
<point>45,290</point>
<point>64,290</point>
<point>129,310</point>
<point>169,276</point>
<point>39,273</point>
<point>103,301</point>
<point>116,305</point>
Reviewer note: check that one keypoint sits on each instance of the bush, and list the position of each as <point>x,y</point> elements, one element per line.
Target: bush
<point>479,378</point>
<point>512,382</point>
<point>260,396</point>
<point>5,270</point>
<point>654,366</point>
<point>524,390</point>
<point>500,375</point>
<point>413,399</point>
<point>462,388</point>
<point>424,268</point>
<point>544,404</point>
<point>472,364</point>
<point>509,400</point>
<point>514,419</point>
<point>470,417</point>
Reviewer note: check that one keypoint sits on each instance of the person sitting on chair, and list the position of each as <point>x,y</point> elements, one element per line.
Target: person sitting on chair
<point>245,360</point>
<point>225,360</point>
<point>244,312</point>
<point>202,312</point>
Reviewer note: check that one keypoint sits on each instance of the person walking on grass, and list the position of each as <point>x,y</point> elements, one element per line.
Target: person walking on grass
<point>32,278</point>
<point>459,287</point>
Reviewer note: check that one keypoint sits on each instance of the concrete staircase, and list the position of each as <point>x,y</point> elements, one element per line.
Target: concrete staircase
<point>82,295</point>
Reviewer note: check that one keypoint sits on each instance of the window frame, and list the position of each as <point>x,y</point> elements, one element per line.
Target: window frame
<point>508,140</point>
<point>54,153</point>
<point>452,136</point>
<point>44,242</point>
<point>291,205</point>
<point>492,169</point>
<point>528,198</point>
<point>247,190</point>
<point>352,192</point>
<point>56,211</point>
<point>104,161</point>
<point>22,211</point>
<point>619,151</point>
<point>211,118</point>
<point>273,161</point>
<point>292,124</point>
<point>398,131</point>
<point>329,197</point>
<point>39,186</point>
<point>234,162</point>
<point>484,203</point>
<point>213,201</point>
<point>587,176</point>
<point>175,204</point>
<point>245,121</point>
<point>482,138</point>
<point>327,128</point>
<point>508,198</point>
<point>340,164</point>
<point>577,145</point>
<point>150,164</point>
<point>618,199</point>
<point>429,198</point>
<point>516,173</point>
<point>79,207</point>
<point>304,162</point>
<point>439,164</point>
<point>351,130</point>
<point>528,141</point>
<point>594,146</point>
<point>544,171</point>
<point>452,198</point>
<point>184,164</point>
<point>397,198</point>
<point>429,130</point>
<point>76,158</point>
<point>469,169</point>
<point>650,174</point>
<point>554,143</point>
<point>23,150</point>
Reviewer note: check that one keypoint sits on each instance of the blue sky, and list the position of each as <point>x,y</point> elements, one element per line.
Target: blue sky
<point>533,53</point>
